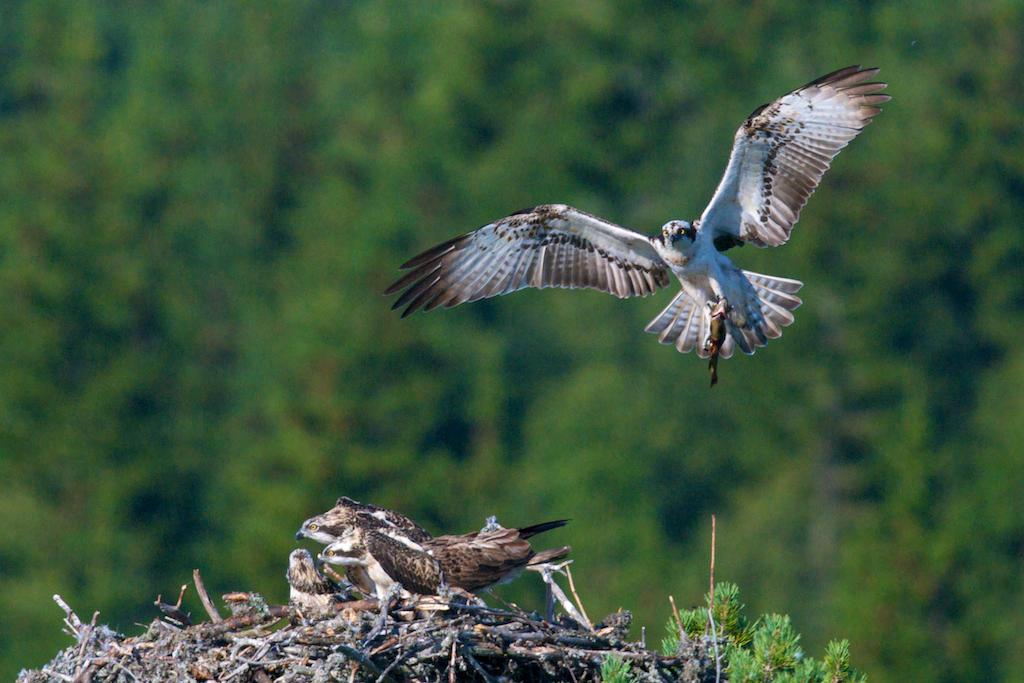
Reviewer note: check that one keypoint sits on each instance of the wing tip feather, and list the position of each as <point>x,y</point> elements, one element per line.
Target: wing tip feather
<point>434,252</point>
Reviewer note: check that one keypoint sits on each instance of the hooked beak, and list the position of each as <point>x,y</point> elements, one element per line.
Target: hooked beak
<point>299,535</point>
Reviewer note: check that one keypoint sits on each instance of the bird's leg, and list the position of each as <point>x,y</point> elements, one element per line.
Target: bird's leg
<point>716,337</point>
<point>444,591</point>
<point>382,616</point>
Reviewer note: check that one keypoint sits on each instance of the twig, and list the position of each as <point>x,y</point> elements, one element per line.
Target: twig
<point>367,605</point>
<point>87,633</point>
<point>383,647</point>
<point>121,667</point>
<point>70,618</point>
<point>549,602</point>
<point>363,660</point>
<point>83,673</point>
<point>579,603</point>
<point>546,570</point>
<point>478,666</point>
<point>711,592</point>
<point>238,670</point>
<point>714,643</point>
<point>679,620</point>
<point>273,613</point>
<point>57,674</point>
<point>711,607</point>
<point>204,598</point>
<point>181,595</point>
<point>470,641</point>
<point>401,658</point>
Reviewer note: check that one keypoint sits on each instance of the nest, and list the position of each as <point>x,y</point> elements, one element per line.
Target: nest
<point>426,640</point>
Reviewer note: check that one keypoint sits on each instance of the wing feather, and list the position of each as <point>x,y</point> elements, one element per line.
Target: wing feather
<point>783,149</point>
<point>548,246</point>
<point>416,570</point>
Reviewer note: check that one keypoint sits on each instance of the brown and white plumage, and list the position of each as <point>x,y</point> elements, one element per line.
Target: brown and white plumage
<point>779,156</point>
<point>546,246</point>
<point>470,561</point>
<point>351,552</point>
<point>347,514</point>
<point>783,149</point>
<point>328,526</point>
<point>309,590</point>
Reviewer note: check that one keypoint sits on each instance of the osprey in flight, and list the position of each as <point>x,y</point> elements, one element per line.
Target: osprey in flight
<point>779,156</point>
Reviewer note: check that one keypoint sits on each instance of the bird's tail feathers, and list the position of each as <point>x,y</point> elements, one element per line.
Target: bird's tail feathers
<point>678,323</point>
<point>685,324</point>
<point>778,300</point>
<point>528,531</point>
<point>550,555</point>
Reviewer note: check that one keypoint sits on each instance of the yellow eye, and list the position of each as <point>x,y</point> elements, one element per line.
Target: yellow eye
<point>329,553</point>
<point>314,526</point>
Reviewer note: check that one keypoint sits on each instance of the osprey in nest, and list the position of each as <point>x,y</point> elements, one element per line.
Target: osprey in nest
<point>383,551</point>
<point>469,562</point>
<point>328,527</point>
<point>309,590</point>
<point>348,514</point>
<point>779,156</point>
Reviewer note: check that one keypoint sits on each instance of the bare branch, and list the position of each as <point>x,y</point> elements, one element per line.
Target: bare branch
<point>575,595</point>
<point>204,598</point>
<point>70,618</point>
<point>711,607</point>
<point>675,614</point>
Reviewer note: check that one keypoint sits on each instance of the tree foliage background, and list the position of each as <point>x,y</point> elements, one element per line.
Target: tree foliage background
<point>201,203</point>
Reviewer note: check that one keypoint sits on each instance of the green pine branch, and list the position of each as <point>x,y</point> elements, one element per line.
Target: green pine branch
<point>767,650</point>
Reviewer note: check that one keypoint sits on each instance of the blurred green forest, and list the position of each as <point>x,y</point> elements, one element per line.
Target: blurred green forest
<point>200,204</point>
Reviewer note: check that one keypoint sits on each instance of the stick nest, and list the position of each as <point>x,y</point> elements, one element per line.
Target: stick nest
<point>438,641</point>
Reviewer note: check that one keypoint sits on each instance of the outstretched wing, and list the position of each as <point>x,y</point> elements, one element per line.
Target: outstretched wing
<point>781,152</point>
<point>552,245</point>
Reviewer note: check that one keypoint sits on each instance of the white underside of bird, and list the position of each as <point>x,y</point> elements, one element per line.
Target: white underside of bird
<point>758,306</point>
<point>779,155</point>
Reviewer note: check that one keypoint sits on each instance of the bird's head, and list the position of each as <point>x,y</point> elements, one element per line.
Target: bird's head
<point>320,528</point>
<point>299,560</point>
<point>300,556</point>
<point>349,544</point>
<point>300,564</point>
<point>675,230</point>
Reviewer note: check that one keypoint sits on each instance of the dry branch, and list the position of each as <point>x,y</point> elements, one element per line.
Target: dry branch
<point>204,597</point>
<point>428,640</point>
